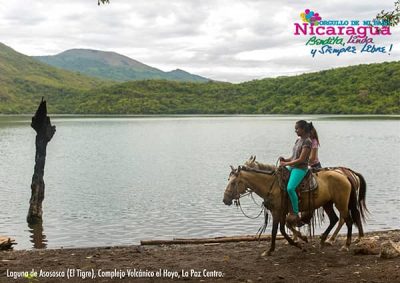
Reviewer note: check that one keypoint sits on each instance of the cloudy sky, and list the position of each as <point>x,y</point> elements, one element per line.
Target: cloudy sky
<point>228,40</point>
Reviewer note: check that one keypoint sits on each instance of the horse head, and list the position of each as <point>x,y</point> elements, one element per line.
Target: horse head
<point>236,186</point>
<point>251,162</point>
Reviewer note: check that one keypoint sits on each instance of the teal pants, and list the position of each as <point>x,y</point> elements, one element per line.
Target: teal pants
<point>296,176</point>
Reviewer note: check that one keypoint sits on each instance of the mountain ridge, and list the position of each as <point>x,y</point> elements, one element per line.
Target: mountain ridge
<point>112,66</point>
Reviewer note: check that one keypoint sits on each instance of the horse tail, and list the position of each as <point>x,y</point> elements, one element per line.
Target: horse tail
<point>357,204</point>
<point>362,196</point>
<point>354,208</point>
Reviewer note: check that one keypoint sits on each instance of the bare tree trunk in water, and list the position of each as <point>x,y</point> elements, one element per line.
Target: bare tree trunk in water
<point>44,132</point>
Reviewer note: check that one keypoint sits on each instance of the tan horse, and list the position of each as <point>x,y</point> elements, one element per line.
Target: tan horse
<point>360,185</point>
<point>333,188</point>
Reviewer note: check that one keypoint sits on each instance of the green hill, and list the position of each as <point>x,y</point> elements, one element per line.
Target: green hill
<point>23,81</point>
<point>112,66</point>
<point>362,89</point>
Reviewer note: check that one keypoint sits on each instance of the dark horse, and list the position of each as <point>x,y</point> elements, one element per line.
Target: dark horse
<point>333,189</point>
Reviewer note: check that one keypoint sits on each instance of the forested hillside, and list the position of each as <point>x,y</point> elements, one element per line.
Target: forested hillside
<point>362,89</point>
<point>23,81</point>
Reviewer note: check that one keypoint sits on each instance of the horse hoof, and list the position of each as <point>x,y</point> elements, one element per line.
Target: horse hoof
<point>298,245</point>
<point>331,241</point>
<point>328,243</point>
<point>266,253</point>
<point>344,249</point>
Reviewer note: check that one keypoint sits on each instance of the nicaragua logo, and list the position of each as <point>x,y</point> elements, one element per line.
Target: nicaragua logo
<point>352,36</point>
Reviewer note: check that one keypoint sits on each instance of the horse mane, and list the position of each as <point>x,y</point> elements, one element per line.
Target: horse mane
<point>252,163</point>
<point>267,167</point>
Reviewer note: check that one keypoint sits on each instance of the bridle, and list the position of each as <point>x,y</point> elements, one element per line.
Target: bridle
<point>237,196</point>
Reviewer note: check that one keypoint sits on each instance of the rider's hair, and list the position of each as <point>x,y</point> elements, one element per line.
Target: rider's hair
<point>313,133</point>
<point>309,128</point>
<point>304,125</point>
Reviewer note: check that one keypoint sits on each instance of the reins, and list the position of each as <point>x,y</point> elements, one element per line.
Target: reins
<point>250,217</point>
<point>237,203</point>
<point>250,192</point>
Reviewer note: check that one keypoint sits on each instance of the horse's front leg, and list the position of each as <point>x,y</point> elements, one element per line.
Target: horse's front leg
<point>286,236</point>
<point>275,224</point>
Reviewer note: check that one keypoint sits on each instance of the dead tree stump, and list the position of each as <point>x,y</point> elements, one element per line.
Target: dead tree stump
<point>44,132</point>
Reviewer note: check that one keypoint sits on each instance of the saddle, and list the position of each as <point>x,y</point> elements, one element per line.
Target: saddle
<point>308,184</point>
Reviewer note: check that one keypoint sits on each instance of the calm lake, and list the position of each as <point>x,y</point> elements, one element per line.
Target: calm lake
<point>119,180</point>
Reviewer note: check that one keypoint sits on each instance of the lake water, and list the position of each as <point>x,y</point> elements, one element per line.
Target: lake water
<point>119,180</point>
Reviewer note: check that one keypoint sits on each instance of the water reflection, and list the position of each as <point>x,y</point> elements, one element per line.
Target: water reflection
<point>37,237</point>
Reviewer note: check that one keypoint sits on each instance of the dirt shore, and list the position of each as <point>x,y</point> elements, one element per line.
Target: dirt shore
<point>226,262</point>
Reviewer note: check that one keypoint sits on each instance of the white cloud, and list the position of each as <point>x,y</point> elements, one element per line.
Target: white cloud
<point>233,40</point>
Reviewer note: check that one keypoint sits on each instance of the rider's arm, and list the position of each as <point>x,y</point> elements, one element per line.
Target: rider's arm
<point>305,151</point>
